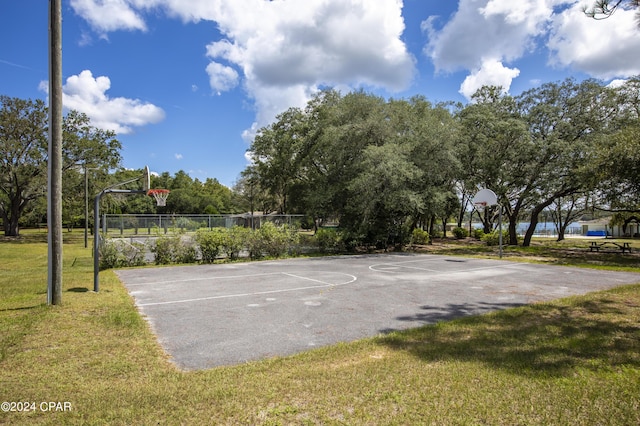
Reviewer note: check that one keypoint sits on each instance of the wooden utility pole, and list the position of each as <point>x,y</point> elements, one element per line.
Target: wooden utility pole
<point>54,194</point>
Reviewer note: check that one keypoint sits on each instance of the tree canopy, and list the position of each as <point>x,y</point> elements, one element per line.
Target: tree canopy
<point>378,167</point>
<point>603,9</point>
<point>23,148</point>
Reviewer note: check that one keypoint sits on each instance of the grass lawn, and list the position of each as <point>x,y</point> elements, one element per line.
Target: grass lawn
<point>569,362</point>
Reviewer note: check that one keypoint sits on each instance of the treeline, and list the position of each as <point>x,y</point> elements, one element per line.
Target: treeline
<point>188,196</point>
<point>91,163</point>
<point>384,167</point>
<point>379,168</point>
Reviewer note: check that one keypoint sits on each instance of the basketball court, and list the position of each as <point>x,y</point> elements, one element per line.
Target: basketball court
<point>213,315</point>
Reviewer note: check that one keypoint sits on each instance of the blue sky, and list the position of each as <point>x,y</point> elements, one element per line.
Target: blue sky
<point>186,84</point>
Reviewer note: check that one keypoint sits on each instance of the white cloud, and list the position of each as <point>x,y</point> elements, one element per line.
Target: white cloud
<point>491,73</point>
<point>87,94</point>
<point>178,156</point>
<point>109,15</point>
<point>221,77</point>
<point>480,29</point>
<point>282,50</point>
<point>604,49</point>
<point>484,35</point>
<point>507,30</point>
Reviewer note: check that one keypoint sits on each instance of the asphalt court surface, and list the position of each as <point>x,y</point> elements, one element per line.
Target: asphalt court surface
<point>212,315</point>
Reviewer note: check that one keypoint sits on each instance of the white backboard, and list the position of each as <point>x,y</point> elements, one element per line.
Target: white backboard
<point>486,198</point>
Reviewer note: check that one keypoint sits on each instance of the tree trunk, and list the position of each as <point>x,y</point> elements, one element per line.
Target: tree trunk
<point>534,221</point>
<point>513,233</point>
<point>486,223</point>
<point>532,227</point>
<point>11,228</point>
<point>561,230</point>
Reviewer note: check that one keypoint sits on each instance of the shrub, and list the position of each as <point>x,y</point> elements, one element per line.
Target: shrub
<point>493,238</point>
<point>460,233</point>
<point>328,240</point>
<point>272,241</point>
<point>419,236</point>
<point>174,249</point>
<point>210,244</point>
<point>478,233</point>
<point>118,253</point>
<point>234,240</point>
<point>185,251</point>
<point>163,249</point>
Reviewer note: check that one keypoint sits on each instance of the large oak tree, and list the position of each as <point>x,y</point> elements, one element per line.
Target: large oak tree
<point>24,154</point>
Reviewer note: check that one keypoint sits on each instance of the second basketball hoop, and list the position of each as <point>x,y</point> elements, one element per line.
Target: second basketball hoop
<point>484,198</point>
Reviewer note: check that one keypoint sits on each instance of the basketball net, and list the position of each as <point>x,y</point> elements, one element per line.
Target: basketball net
<point>480,206</point>
<point>160,195</point>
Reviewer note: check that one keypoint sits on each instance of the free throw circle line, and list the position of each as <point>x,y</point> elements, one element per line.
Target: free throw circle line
<point>205,279</point>
<point>258,293</point>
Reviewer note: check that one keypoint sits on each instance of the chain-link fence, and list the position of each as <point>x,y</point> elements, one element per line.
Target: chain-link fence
<point>158,224</point>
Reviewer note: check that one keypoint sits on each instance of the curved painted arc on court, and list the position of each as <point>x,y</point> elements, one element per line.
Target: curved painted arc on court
<point>321,284</point>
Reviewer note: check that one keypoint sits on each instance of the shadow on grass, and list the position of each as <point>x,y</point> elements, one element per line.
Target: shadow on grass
<point>598,333</point>
<point>24,308</point>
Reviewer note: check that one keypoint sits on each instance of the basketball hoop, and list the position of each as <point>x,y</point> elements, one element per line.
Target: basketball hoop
<point>480,205</point>
<point>160,195</point>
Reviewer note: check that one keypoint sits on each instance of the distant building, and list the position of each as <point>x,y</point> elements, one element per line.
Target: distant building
<point>602,228</point>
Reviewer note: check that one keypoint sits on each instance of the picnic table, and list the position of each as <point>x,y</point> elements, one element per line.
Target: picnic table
<point>597,245</point>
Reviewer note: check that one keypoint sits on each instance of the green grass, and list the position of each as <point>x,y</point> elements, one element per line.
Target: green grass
<point>572,361</point>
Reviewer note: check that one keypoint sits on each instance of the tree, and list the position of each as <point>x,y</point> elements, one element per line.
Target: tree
<point>276,152</point>
<point>23,148</point>
<point>618,165</point>
<point>383,194</point>
<point>88,153</point>
<point>494,149</point>
<point>566,210</point>
<point>563,120</point>
<point>23,156</point>
<point>603,9</point>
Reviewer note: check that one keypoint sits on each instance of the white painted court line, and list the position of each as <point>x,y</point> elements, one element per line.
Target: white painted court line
<point>258,293</point>
<point>307,278</point>
<point>208,277</point>
<point>397,267</point>
<point>378,267</point>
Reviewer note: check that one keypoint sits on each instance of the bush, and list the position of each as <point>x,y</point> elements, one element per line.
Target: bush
<point>419,236</point>
<point>174,250</point>
<point>163,249</point>
<point>493,238</point>
<point>272,241</point>
<point>478,233</point>
<point>210,244</point>
<point>234,241</point>
<point>328,240</point>
<point>185,251</point>
<point>118,253</point>
<point>460,233</point>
